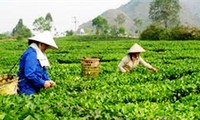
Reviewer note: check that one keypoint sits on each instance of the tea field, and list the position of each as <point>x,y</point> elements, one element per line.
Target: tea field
<point>172,93</point>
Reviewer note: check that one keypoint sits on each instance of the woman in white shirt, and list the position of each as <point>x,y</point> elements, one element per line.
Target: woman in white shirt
<point>133,59</point>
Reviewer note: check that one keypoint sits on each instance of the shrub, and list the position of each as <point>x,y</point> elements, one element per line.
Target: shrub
<point>4,36</point>
<point>151,33</point>
<point>166,35</point>
<point>177,33</point>
<point>181,33</point>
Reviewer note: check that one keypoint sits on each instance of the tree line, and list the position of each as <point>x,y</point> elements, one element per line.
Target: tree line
<point>165,24</point>
<point>40,24</point>
<point>164,16</point>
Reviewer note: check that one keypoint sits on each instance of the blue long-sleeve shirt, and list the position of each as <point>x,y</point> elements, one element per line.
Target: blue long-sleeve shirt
<point>32,75</point>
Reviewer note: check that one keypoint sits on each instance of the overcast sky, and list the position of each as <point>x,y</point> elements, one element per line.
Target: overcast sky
<point>62,11</point>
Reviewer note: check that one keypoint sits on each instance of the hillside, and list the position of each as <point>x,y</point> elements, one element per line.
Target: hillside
<point>189,14</point>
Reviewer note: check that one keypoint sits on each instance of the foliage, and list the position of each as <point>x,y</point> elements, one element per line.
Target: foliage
<point>69,33</point>
<point>113,30</point>
<point>21,31</point>
<point>42,24</point>
<point>101,25</point>
<point>117,32</point>
<point>121,30</point>
<point>185,33</point>
<point>151,33</point>
<point>170,94</point>
<point>120,19</point>
<point>118,29</point>
<point>154,32</point>
<point>165,12</point>
<point>4,36</point>
<point>94,38</point>
<point>138,24</point>
<point>49,18</point>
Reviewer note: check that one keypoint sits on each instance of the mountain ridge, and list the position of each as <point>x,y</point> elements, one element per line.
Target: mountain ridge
<point>189,14</point>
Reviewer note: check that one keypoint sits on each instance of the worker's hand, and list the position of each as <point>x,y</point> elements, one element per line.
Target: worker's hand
<point>49,84</point>
<point>52,83</point>
<point>153,69</point>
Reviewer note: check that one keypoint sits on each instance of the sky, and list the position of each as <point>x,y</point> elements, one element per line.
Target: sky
<point>63,12</point>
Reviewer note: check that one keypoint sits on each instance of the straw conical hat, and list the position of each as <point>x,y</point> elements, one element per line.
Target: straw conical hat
<point>46,38</point>
<point>136,48</point>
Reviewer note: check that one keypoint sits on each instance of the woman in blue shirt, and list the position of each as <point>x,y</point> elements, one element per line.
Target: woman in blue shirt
<point>34,63</point>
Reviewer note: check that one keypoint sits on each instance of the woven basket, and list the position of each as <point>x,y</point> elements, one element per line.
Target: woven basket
<point>8,84</point>
<point>90,67</point>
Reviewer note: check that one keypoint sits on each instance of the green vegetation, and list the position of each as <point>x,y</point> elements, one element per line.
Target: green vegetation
<point>42,24</point>
<point>21,31</point>
<point>166,24</point>
<point>101,25</point>
<point>154,32</point>
<point>4,36</point>
<point>171,93</point>
<point>165,13</point>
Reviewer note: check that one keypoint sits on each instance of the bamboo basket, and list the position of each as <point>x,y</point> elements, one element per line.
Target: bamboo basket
<point>90,67</point>
<point>8,84</point>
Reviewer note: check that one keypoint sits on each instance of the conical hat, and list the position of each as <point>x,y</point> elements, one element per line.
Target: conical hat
<point>46,38</point>
<point>136,48</point>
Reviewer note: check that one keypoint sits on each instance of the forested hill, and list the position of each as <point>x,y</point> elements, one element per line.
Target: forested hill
<point>139,9</point>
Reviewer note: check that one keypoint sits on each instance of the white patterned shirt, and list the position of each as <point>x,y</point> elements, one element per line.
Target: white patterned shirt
<point>127,64</point>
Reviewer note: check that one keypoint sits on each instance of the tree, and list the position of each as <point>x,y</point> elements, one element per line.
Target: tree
<point>101,25</point>
<point>69,33</point>
<point>138,24</point>
<point>165,12</point>
<point>120,19</point>
<point>49,18</point>
<point>114,30</point>
<point>122,30</point>
<point>42,24</point>
<point>20,30</point>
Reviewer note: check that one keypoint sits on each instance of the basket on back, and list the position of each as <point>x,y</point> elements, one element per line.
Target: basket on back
<point>8,84</point>
<point>90,67</point>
